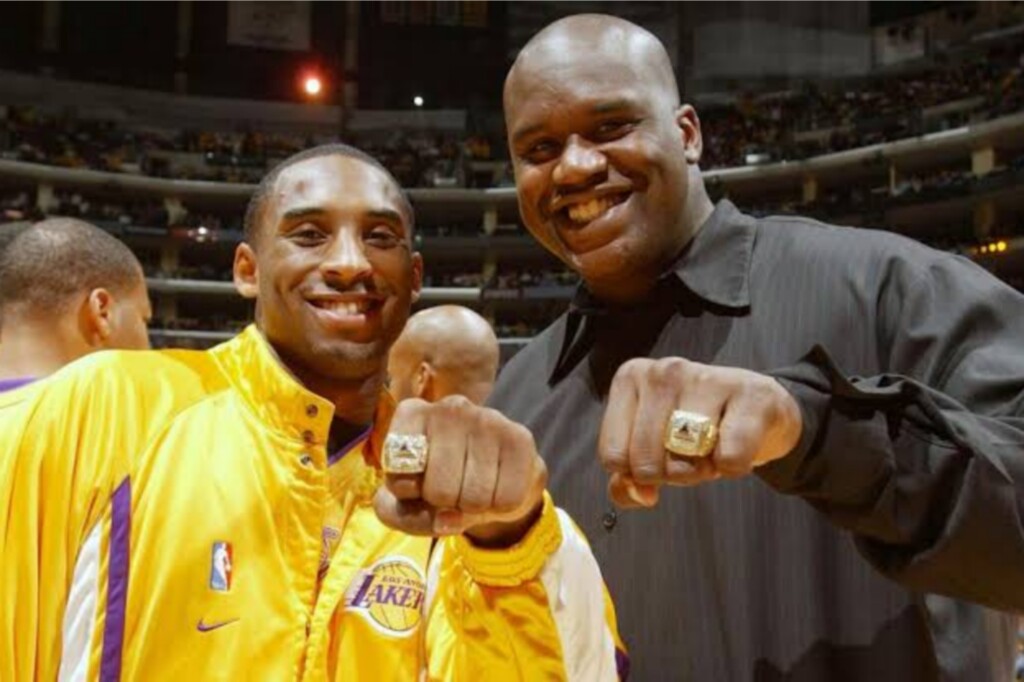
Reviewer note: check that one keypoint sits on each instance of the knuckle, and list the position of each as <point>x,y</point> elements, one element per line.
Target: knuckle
<point>412,407</point>
<point>455,404</point>
<point>673,366</point>
<point>634,368</point>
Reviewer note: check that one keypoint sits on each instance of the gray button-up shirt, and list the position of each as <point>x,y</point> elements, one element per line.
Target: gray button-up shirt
<point>908,483</point>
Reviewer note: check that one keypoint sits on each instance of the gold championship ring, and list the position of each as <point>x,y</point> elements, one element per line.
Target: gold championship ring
<point>690,434</point>
<point>404,454</point>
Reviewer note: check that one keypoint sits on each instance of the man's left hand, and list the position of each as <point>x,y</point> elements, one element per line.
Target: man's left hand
<point>758,421</point>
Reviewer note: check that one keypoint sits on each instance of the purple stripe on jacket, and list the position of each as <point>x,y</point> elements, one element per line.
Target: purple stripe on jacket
<point>335,456</point>
<point>622,664</point>
<point>117,582</point>
<point>11,384</point>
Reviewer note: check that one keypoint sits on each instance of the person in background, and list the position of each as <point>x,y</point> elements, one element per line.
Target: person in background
<point>443,351</point>
<point>67,288</point>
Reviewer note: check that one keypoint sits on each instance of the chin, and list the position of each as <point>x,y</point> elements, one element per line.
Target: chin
<point>346,360</point>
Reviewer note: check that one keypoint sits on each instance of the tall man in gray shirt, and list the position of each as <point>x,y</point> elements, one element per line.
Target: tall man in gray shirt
<point>844,407</point>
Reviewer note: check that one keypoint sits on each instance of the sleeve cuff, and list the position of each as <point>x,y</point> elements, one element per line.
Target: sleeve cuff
<point>514,565</point>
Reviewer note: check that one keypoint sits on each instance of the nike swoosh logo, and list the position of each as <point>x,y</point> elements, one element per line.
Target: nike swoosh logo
<point>207,627</point>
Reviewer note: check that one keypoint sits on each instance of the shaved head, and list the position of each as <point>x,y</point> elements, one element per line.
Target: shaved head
<point>447,350</point>
<point>606,42</point>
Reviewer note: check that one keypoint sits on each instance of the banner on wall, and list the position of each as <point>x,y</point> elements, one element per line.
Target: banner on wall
<point>270,25</point>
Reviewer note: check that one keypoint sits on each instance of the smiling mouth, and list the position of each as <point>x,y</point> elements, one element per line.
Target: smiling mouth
<point>346,307</point>
<point>586,212</point>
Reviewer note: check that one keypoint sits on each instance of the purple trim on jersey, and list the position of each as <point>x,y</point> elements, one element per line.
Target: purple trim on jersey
<point>117,582</point>
<point>11,384</point>
<point>336,456</point>
<point>622,664</point>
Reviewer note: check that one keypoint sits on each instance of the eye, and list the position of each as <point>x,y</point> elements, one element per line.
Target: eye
<point>383,236</point>
<point>541,151</point>
<point>306,235</point>
<point>613,129</point>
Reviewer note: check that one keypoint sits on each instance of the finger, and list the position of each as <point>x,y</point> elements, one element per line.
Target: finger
<point>657,398</point>
<point>409,516</point>
<point>704,392</point>
<point>617,424</point>
<point>481,472</point>
<point>517,469</point>
<point>687,471</point>
<point>447,430</point>
<point>409,420</point>
<point>628,494</point>
<point>740,436</point>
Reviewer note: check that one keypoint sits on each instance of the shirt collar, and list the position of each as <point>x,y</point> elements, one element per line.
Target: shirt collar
<point>285,405</point>
<point>11,384</point>
<point>716,264</point>
<point>714,267</point>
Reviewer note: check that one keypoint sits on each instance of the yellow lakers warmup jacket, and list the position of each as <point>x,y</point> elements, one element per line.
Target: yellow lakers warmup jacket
<point>175,515</point>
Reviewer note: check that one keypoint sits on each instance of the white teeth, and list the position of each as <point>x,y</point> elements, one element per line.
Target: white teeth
<point>344,307</point>
<point>587,211</point>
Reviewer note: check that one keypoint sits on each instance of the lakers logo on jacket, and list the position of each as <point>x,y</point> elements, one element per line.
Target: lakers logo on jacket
<point>389,594</point>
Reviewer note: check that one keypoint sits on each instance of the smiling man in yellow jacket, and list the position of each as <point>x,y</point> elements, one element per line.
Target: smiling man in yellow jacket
<point>224,515</point>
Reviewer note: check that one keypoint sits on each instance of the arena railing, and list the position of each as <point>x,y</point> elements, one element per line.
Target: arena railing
<point>937,147</point>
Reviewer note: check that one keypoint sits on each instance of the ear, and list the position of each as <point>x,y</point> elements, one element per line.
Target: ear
<point>97,314</point>
<point>423,382</point>
<point>245,272</point>
<point>417,276</point>
<point>689,125</point>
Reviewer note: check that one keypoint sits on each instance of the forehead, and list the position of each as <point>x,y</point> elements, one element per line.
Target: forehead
<point>547,81</point>
<point>334,183</point>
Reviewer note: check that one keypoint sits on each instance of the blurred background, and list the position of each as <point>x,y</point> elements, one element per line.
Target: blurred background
<point>153,120</point>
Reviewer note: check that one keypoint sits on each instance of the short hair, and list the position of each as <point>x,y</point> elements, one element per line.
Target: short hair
<point>10,231</point>
<point>254,210</point>
<point>48,264</point>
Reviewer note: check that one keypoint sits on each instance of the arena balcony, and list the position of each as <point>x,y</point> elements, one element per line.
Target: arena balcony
<point>959,189</point>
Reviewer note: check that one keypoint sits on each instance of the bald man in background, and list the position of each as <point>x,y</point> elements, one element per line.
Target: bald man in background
<point>447,350</point>
<point>67,288</point>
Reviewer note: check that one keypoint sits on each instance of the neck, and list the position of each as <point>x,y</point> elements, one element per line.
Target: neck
<point>29,349</point>
<point>355,400</point>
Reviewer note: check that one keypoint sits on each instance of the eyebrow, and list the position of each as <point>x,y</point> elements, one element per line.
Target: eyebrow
<point>387,214</point>
<point>302,212</point>
<point>599,108</point>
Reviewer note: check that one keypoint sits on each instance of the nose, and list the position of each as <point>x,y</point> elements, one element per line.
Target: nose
<point>580,166</point>
<point>345,262</point>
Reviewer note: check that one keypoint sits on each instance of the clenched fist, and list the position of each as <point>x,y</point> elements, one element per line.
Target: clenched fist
<point>758,421</point>
<point>483,475</point>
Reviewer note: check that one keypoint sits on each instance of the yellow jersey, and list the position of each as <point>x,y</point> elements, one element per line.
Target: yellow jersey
<point>176,513</point>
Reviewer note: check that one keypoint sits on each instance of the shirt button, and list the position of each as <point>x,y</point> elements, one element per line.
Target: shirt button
<point>308,436</point>
<point>610,518</point>
<point>312,411</point>
<point>305,459</point>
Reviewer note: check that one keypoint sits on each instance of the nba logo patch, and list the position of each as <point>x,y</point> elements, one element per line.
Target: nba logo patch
<point>221,560</point>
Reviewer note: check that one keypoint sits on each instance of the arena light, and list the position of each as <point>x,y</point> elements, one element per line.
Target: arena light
<point>1000,246</point>
<point>417,101</point>
<point>312,85</point>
